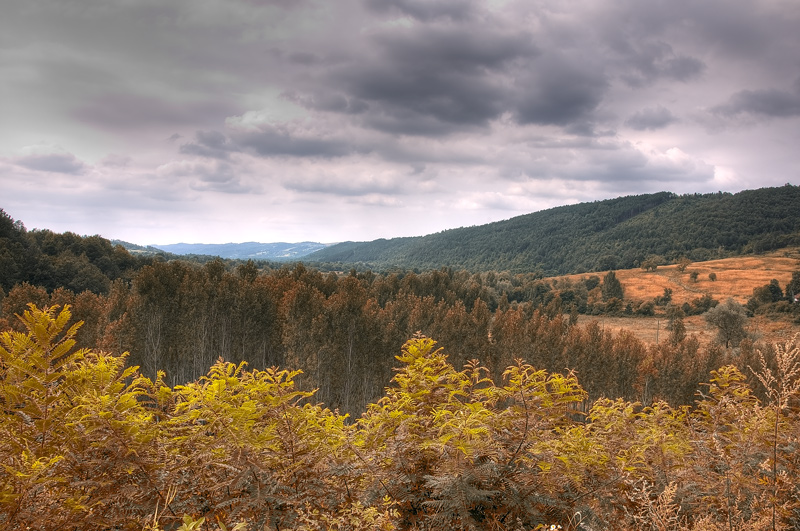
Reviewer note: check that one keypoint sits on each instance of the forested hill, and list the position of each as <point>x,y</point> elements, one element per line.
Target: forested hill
<point>613,234</point>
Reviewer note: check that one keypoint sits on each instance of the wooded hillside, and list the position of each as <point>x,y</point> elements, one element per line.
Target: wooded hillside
<point>52,260</point>
<point>614,234</point>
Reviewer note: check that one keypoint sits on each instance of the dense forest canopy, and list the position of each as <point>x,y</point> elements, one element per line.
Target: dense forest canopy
<point>613,234</point>
<point>50,260</point>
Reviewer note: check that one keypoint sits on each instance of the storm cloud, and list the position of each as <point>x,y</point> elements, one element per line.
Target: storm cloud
<point>277,120</point>
<point>651,118</point>
<point>773,103</point>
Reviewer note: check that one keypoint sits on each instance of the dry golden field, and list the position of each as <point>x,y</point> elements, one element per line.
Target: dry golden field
<point>651,329</point>
<point>736,278</point>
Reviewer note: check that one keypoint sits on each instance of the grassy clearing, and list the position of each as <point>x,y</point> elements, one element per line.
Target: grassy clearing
<point>651,329</point>
<point>736,278</point>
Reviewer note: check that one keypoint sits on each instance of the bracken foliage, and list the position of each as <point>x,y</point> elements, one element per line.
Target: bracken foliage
<point>87,443</point>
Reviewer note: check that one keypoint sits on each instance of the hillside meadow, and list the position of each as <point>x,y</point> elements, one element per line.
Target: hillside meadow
<point>735,278</point>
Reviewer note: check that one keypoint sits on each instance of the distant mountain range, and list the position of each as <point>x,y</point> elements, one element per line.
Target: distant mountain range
<point>242,251</point>
<point>617,233</point>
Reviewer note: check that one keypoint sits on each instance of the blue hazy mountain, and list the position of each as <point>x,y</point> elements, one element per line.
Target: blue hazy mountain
<point>247,250</point>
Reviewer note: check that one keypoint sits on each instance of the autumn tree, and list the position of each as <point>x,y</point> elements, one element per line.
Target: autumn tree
<point>343,361</point>
<point>782,385</point>
<point>675,324</point>
<point>76,441</point>
<point>730,429</point>
<point>450,459</point>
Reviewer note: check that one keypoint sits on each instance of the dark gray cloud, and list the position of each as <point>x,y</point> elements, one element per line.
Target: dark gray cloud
<point>560,92</point>
<point>434,79</point>
<point>216,176</point>
<point>335,185</point>
<point>425,80</point>
<point>771,103</point>
<point>322,100</point>
<point>651,118</point>
<point>648,61</point>
<point>284,4</point>
<point>52,162</point>
<point>650,170</point>
<point>293,140</point>
<point>212,144</point>
<point>424,10</point>
<point>739,29</point>
<point>733,29</point>
<point>121,111</point>
<point>269,140</point>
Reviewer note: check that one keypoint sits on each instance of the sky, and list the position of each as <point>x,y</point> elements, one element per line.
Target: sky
<point>214,121</point>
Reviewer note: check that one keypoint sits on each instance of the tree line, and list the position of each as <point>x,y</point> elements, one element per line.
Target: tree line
<point>343,330</point>
<point>621,233</point>
<point>87,442</point>
<point>53,260</point>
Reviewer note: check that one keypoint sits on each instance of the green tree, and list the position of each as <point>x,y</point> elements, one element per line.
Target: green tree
<point>730,319</point>
<point>14,248</point>
<point>775,290</point>
<point>700,305</point>
<point>607,262</point>
<point>664,299</point>
<point>247,271</point>
<point>793,287</point>
<point>612,288</point>
<point>652,262</point>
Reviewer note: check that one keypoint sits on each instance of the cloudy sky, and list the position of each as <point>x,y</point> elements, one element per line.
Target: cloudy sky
<point>164,121</point>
